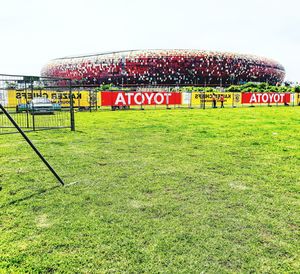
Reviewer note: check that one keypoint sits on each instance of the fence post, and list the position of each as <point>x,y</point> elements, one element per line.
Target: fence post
<point>90,97</point>
<point>26,100</point>
<point>96,100</point>
<point>142,100</point>
<point>72,118</point>
<point>33,110</point>
<point>200,96</point>
<point>178,106</point>
<point>167,105</point>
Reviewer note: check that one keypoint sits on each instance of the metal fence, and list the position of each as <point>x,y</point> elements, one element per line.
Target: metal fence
<point>239,99</point>
<point>36,103</point>
<point>17,93</point>
<point>203,100</point>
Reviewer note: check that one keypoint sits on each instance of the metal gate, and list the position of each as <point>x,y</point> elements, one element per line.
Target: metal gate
<point>36,103</point>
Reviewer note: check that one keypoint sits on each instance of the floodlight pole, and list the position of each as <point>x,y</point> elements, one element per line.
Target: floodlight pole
<point>32,145</point>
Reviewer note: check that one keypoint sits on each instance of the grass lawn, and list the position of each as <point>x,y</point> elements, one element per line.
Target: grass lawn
<point>166,191</point>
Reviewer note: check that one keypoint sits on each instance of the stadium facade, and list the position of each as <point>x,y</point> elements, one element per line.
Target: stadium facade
<point>166,67</point>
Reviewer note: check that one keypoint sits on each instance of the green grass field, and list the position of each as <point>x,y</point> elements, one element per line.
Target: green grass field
<point>166,191</point>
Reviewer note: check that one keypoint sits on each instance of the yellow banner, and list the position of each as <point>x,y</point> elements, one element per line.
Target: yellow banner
<point>297,99</point>
<point>82,98</point>
<point>230,98</point>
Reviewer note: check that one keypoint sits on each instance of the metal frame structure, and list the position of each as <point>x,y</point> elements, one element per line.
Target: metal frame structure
<point>25,88</point>
<point>31,145</point>
<point>16,91</point>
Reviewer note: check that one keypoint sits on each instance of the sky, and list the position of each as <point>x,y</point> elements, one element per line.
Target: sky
<point>36,31</point>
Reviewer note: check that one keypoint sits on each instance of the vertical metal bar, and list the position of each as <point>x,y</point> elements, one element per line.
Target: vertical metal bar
<point>142,100</point>
<point>26,100</point>
<point>71,107</point>
<point>167,105</point>
<point>33,110</point>
<point>32,145</point>
<point>90,95</point>
<point>96,99</point>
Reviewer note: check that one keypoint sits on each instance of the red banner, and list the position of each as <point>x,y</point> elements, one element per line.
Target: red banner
<point>266,98</point>
<point>109,98</point>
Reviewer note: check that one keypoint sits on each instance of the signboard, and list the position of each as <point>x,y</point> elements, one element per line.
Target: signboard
<point>3,97</point>
<point>230,98</point>
<point>297,99</point>
<point>80,98</point>
<point>266,98</point>
<point>140,98</point>
<point>186,98</point>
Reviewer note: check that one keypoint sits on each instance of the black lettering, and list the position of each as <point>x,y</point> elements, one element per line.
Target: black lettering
<point>79,96</point>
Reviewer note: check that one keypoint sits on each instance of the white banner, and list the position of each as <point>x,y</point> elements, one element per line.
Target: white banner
<point>186,98</point>
<point>3,97</point>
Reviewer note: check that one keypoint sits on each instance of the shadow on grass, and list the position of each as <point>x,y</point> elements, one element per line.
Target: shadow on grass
<point>28,197</point>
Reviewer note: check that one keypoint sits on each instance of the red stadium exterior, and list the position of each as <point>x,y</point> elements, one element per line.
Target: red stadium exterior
<point>166,67</point>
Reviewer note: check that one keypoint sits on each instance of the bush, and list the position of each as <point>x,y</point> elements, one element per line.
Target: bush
<point>250,85</point>
<point>297,89</point>
<point>234,88</point>
<point>263,86</point>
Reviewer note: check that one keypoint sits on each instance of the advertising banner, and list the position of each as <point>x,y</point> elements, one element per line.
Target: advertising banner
<point>230,98</point>
<point>186,98</point>
<point>266,98</point>
<point>3,97</point>
<point>140,98</point>
<point>80,98</point>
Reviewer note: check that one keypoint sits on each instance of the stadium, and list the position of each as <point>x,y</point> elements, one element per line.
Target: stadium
<point>166,68</point>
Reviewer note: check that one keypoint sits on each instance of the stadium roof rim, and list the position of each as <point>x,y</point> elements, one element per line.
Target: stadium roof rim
<point>132,50</point>
<point>95,54</point>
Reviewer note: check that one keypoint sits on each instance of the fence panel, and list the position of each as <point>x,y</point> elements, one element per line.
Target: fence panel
<point>88,99</point>
<point>36,103</point>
